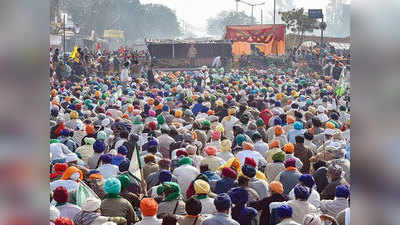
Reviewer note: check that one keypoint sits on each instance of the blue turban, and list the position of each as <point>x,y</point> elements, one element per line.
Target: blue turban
<point>204,109</point>
<point>284,211</point>
<point>301,192</point>
<point>165,176</point>
<point>222,202</point>
<point>239,196</point>
<point>152,143</point>
<point>65,132</point>
<point>249,171</point>
<point>240,139</point>
<point>165,108</point>
<point>307,180</point>
<point>106,158</point>
<point>277,104</point>
<point>123,150</point>
<point>298,125</point>
<point>277,121</point>
<point>342,191</point>
<point>99,146</point>
<point>112,186</point>
<point>124,165</point>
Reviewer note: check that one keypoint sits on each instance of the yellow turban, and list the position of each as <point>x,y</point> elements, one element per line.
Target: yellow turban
<point>201,187</point>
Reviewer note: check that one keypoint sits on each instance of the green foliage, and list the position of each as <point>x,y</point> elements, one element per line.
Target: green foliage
<point>216,25</point>
<point>137,20</point>
<point>297,21</point>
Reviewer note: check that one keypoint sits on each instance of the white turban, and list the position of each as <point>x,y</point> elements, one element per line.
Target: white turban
<point>91,204</point>
<point>54,213</point>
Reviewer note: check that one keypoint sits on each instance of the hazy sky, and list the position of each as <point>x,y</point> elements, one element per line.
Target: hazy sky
<point>196,12</point>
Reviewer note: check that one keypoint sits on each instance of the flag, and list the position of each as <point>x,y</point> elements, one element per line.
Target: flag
<point>98,46</point>
<point>82,193</point>
<point>342,86</point>
<point>122,49</point>
<point>74,52</point>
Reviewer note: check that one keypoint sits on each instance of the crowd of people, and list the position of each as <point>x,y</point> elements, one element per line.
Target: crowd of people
<point>209,147</point>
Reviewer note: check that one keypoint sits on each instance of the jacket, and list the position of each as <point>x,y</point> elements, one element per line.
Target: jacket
<point>300,209</point>
<point>263,205</point>
<point>304,154</point>
<point>333,207</point>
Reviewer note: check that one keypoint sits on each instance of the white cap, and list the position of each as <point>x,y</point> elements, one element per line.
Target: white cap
<point>329,132</point>
<point>54,213</point>
<point>91,204</point>
<point>321,109</point>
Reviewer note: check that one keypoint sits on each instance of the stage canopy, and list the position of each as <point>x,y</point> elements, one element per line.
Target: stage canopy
<point>272,37</point>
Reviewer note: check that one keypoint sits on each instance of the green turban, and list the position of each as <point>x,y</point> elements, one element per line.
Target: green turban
<point>279,156</point>
<point>54,141</point>
<point>206,123</point>
<point>260,122</point>
<point>125,181</point>
<point>185,161</point>
<point>170,189</point>
<point>160,119</point>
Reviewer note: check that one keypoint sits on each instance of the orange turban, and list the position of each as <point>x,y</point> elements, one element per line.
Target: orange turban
<point>149,207</point>
<point>125,116</point>
<point>159,106</point>
<point>90,129</point>
<point>276,186</point>
<point>274,144</point>
<point>178,113</point>
<point>150,101</point>
<point>329,125</point>
<point>247,146</point>
<point>130,108</point>
<point>53,92</point>
<point>290,119</point>
<point>210,150</point>
<point>96,176</point>
<point>97,94</point>
<point>71,170</point>
<point>288,148</point>
<point>278,130</point>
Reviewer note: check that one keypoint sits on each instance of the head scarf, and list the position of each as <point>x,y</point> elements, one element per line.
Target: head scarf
<point>276,187</point>
<point>185,161</point>
<point>125,181</point>
<point>171,189</point>
<point>222,202</point>
<point>201,187</point>
<point>71,170</point>
<point>288,148</point>
<point>112,186</point>
<point>210,150</point>
<point>148,207</point>
<point>239,196</point>
<point>225,145</point>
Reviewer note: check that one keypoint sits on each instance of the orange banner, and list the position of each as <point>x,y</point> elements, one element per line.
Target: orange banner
<point>272,36</point>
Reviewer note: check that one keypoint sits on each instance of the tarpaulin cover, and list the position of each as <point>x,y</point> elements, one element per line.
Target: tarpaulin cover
<point>273,36</point>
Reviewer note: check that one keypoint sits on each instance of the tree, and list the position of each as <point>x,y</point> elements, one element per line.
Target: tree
<point>216,25</point>
<point>298,22</point>
<point>137,20</point>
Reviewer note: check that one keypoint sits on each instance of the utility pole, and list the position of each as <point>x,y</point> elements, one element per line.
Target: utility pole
<point>64,28</point>
<point>237,4</point>
<point>252,7</point>
<point>274,10</point>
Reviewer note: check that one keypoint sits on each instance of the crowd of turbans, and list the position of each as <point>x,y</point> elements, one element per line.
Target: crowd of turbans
<point>211,147</point>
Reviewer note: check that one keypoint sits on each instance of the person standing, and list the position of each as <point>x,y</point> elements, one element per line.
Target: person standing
<point>223,205</point>
<point>192,55</point>
<point>124,77</point>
